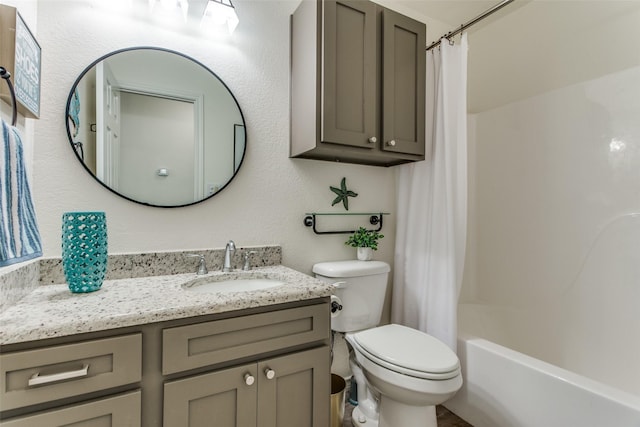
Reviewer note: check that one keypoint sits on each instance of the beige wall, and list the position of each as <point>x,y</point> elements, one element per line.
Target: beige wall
<point>266,202</point>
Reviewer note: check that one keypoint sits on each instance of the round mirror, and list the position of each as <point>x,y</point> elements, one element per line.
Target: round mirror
<point>156,127</point>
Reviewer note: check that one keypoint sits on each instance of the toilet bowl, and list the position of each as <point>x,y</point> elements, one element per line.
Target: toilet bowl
<point>401,373</point>
<point>410,371</point>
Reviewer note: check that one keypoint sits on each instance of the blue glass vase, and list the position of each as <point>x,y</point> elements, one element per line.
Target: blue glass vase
<point>84,250</point>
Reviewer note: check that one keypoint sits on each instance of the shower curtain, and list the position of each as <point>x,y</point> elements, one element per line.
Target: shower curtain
<point>432,205</point>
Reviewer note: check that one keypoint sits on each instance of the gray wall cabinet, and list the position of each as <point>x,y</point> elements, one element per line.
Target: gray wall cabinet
<point>357,83</point>
<point>262,367</point>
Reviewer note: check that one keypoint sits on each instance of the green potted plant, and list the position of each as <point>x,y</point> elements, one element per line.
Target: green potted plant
<point>366,241</point>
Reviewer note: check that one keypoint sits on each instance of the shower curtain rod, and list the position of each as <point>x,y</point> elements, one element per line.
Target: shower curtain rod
<point>463,27</point>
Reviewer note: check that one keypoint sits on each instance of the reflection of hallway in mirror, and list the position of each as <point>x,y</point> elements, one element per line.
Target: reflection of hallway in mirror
<point>158,150</point>
<point>108,122</point>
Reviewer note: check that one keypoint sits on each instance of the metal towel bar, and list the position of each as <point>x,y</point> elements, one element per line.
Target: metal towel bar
<point>310,220</point>
<point>7,76</point>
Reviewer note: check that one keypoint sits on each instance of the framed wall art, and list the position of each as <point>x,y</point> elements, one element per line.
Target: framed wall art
<point>21,55</point>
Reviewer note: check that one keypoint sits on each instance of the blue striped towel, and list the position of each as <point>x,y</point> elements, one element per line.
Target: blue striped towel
<point>19,236</point>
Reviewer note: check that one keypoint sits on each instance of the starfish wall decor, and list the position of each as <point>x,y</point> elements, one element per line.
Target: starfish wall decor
<point>343,194</point>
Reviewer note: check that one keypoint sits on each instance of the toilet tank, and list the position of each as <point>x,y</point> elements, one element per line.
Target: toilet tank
<point>361,290</point>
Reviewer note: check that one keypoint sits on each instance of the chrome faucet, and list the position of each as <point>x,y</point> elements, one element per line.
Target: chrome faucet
<point>228,256</point>
<point>247,260</point>
<point>202,266</point>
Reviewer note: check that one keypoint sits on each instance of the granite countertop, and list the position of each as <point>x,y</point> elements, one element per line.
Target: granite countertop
<point>53,311</point>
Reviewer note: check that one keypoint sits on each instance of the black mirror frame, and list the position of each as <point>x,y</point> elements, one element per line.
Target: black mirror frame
<point>81,160</point>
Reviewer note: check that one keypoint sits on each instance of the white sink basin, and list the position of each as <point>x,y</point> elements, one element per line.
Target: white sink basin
<point>233,282</point>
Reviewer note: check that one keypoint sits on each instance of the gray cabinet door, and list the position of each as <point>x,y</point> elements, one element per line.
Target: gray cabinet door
<point>357,83</point>
<point>349,75</point>
<point>118,411</point>
<point>286,391</point>
<point>222,398</point>
<point>403,84</point>
<point>299,393</point>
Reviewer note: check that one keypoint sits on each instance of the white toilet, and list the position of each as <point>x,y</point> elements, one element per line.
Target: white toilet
<point>401,373</point>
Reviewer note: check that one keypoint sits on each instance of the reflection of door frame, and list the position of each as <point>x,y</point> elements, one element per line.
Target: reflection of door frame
<point>239,132</point>
<point>107,126</point>
<point>197,100</point>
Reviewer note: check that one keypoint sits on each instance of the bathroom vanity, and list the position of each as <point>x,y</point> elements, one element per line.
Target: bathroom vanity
<point>151,352</point>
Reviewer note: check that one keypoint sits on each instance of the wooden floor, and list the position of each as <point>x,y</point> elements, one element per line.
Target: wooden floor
<point>446,418</point>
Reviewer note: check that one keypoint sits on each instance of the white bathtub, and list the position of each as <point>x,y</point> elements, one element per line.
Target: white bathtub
<point>564,354</point>
<point>505,388</point>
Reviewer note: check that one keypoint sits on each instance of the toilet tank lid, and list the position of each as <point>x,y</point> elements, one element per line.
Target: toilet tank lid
<point>351,268</point>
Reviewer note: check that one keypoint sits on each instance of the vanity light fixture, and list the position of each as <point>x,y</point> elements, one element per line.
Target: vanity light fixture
<point>168,7</point>
<point>221,12</point>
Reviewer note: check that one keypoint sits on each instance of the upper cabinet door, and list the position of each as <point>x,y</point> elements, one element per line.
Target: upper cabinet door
<point>344,61</point>
<point>403,84</point>
<point>350,88</point>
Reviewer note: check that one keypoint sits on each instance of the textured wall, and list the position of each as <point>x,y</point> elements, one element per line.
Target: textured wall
<point>266,201</point>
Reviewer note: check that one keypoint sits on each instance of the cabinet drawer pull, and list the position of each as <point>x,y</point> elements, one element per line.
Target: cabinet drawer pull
<point>249,379</point>
<point>37,379</point>
<point>269,373</point>
<point>392,143</point>
<point>373,140</point>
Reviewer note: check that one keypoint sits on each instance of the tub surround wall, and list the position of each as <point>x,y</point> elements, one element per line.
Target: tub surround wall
<point>555,238</point>
<point>549,174</point>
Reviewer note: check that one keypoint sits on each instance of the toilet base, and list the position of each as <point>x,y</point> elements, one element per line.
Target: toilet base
<point>358,419</point>
<point>394,414</point>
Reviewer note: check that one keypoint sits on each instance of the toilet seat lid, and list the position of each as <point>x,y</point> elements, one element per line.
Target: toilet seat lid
<point>409,351</point>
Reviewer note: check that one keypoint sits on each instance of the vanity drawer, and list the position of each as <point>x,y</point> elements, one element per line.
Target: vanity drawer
<point>203,344</point>
<point>41,375</point>
<point>118,411</point>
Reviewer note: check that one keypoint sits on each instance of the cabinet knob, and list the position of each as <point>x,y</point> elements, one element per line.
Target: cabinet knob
<point>249,379</point>
<point>373,140</point>
<point>392,143</point>
<point>269,373</point>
